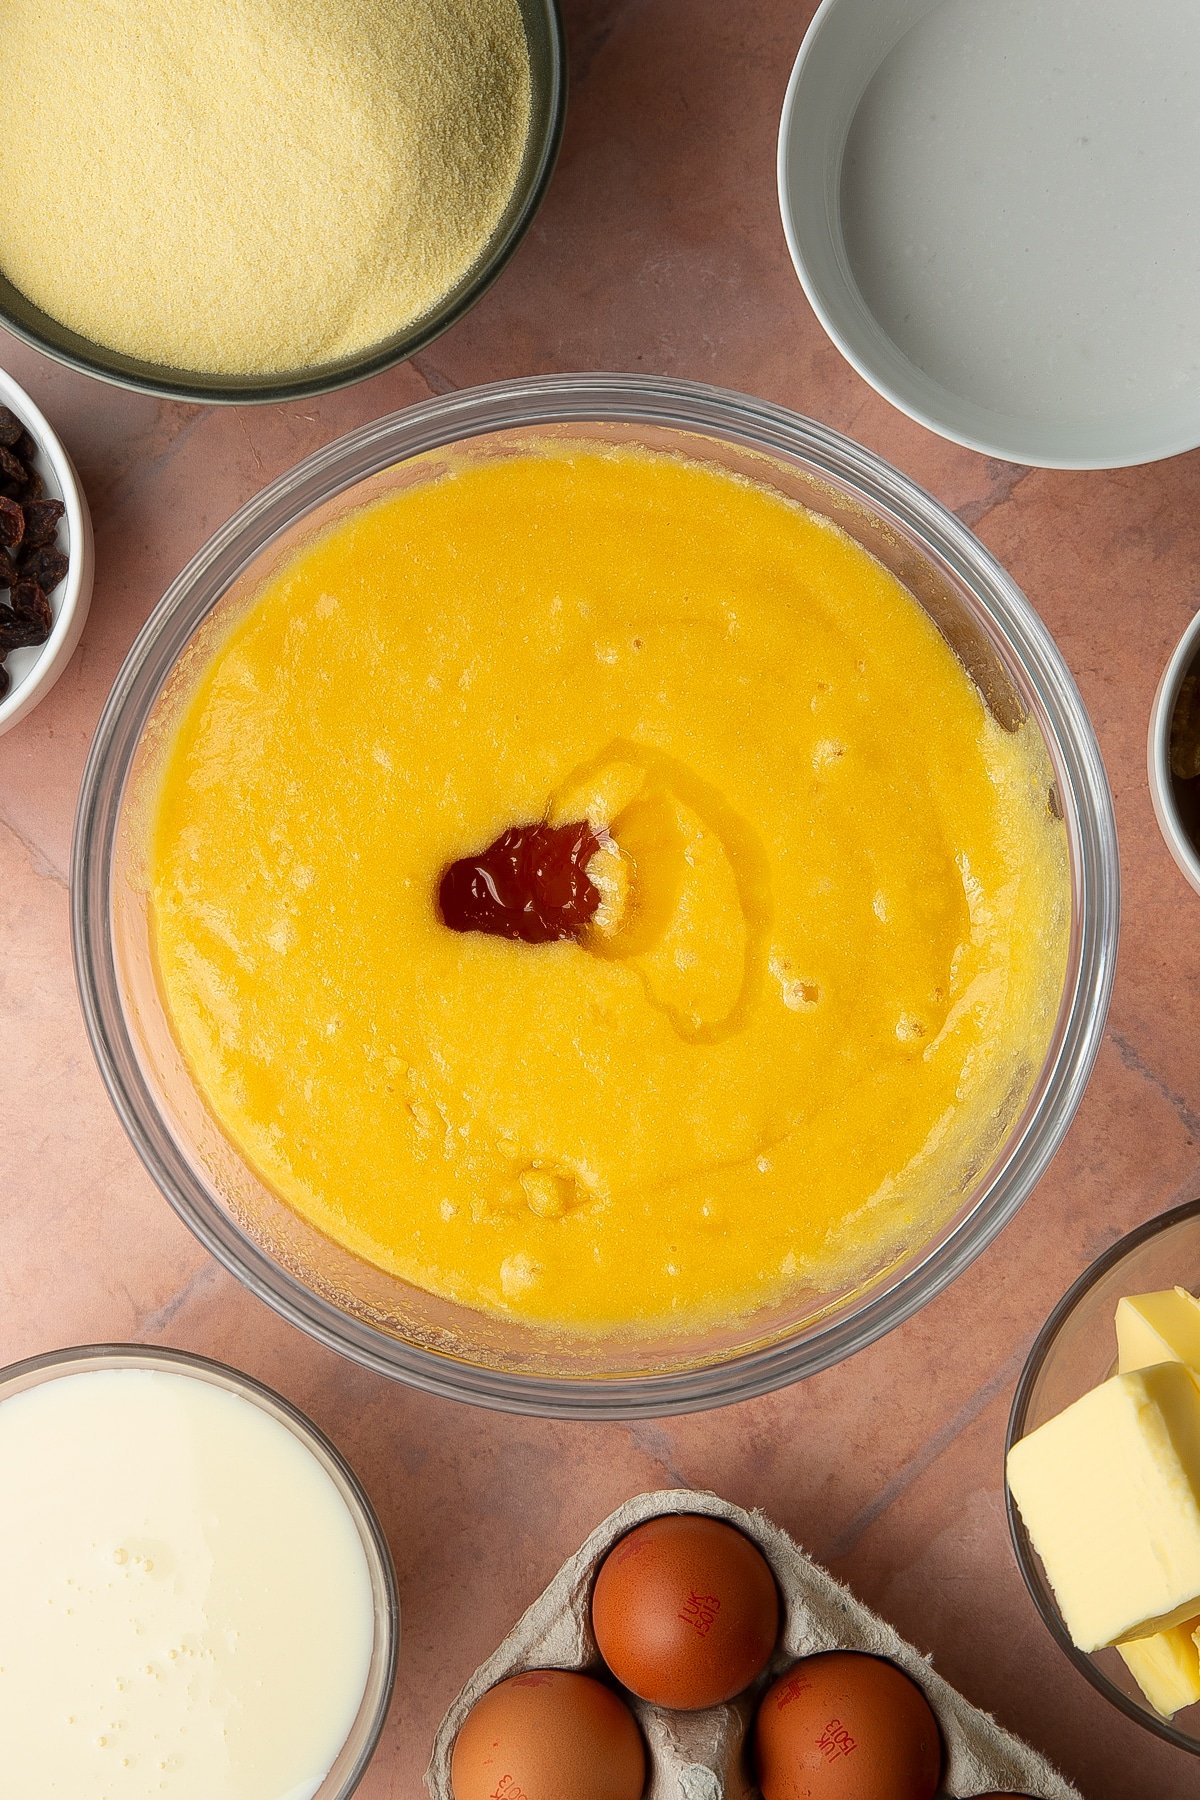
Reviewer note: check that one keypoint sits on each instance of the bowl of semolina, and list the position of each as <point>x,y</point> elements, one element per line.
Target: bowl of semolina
<point>595,895</point>
<point>271,200</point>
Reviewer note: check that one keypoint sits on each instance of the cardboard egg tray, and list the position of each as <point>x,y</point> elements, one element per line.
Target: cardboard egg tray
<point>703,1755</point>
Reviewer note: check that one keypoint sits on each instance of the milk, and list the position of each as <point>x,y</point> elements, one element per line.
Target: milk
<point>185,1601</point>
<point>1020,200</point>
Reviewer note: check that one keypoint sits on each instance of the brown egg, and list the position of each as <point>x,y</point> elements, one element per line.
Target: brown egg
<point>548,1735</point>
<point>685,1611</point>
<point>847,1727</point>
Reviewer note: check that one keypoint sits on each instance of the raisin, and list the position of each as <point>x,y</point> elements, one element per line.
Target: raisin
<point>18,632</point>
<point>12,524</point>
<point>46,565</point>
<point>531,884</point>
<point>31,602</point>
<point>32,607</point>
<point>41,521</point>
<point>29,557</point>
<point>30,618</point>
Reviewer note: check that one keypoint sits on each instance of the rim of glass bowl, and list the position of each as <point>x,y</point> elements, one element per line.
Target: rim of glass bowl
<point>1023,1550</point>
<point>548,61</point>
<point>32,1371</point>
<point>760,426</point>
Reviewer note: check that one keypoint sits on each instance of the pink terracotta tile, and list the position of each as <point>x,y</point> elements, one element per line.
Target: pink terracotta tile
<point>658,250</point>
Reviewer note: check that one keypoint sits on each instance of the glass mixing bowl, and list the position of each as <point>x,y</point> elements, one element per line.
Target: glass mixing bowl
<point>350,1764</point>
<point>353,1307</point>
<point>1075,1351</point>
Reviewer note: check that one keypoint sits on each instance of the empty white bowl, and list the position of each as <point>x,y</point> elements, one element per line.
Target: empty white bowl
<point>993,210</point>
<point>34,672</point>
<point>1184,844</point>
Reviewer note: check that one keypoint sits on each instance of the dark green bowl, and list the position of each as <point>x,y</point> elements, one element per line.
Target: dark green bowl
<point>547,57</point>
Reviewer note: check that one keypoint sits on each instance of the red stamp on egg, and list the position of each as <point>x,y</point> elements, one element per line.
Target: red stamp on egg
<point>791,1690</point>
<point>700,1612</point>
<point>835,1741</point>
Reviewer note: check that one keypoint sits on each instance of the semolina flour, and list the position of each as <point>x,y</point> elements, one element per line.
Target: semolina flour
<point>254,186</point>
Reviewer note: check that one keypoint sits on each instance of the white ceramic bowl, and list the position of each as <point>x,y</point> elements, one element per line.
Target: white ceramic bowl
<point>1180,842</point>
<point>35,671</point>
<point>995,233</point>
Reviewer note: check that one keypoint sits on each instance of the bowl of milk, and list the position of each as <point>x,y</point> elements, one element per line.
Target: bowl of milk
<point>994,212</point>
<point>199,1602</point>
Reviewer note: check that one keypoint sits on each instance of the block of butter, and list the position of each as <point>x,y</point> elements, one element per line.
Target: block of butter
<point>1155,1328</point>
<point>1110,1495</point>
<point>1167,1667</point>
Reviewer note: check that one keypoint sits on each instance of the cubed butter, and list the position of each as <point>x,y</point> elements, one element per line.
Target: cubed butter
<point>1110,1495</point>
<point>1156,1328</point>
<point>1167,1667</point>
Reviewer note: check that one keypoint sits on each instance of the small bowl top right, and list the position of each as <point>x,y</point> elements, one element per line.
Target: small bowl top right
<point>1074,1352</point>
<point>994,216</point>
<point>1173,754</point>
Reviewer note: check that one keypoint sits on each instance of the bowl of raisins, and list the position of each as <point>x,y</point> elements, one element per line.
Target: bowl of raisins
<point>46,556</point>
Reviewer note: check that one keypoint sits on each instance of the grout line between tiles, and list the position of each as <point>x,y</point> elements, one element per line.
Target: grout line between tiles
<point>435,379</point>
<point>197,1283</point>
<point>592,42</point>
<point>39,862</point>
<point>653,1441</point>
<point>924,1458</point>
<point>1136,1064</point>
<point>974,512</point>
<point>112,496</point>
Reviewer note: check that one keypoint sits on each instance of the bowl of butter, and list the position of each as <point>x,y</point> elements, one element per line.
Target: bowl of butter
<point>1104,1475</point>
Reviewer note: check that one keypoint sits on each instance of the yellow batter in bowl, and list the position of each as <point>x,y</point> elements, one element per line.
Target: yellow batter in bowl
<point>833,932</point>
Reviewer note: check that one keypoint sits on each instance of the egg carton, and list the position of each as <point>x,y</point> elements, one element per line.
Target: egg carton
<point>703,1755</point>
